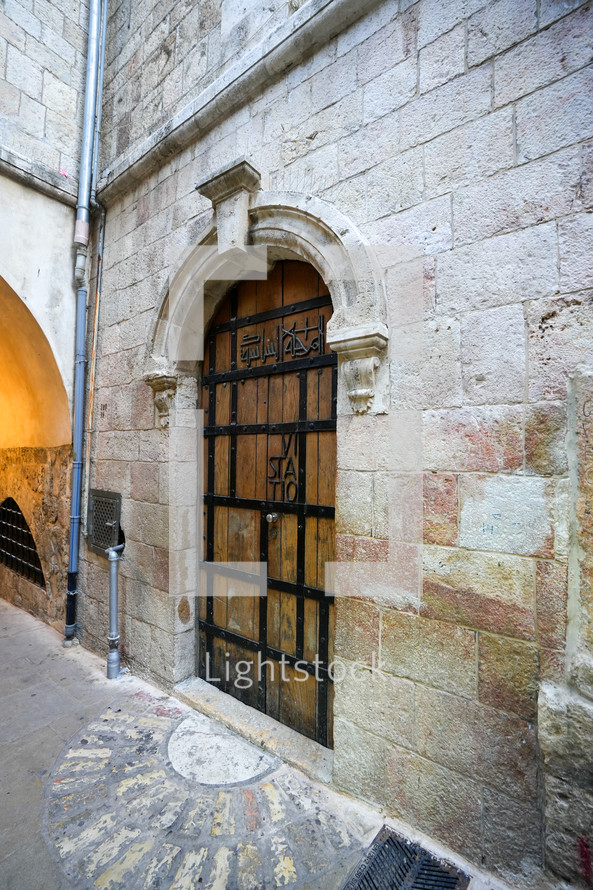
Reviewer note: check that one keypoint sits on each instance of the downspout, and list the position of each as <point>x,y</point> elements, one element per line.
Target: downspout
<point>81,240</point>
<point>96,206</point>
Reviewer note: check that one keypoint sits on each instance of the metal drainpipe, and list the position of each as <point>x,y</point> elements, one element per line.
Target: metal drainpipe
<point>95,206</point>
<point>81,240</point>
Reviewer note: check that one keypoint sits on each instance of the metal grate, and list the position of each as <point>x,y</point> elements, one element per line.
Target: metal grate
<point>393,863</point>
<point>17,547</point>
<point>103,520</point>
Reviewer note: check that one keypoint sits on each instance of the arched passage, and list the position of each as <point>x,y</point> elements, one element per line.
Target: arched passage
<point>34,408</point>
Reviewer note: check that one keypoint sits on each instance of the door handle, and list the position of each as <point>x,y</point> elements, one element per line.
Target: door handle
<point>272,517</point>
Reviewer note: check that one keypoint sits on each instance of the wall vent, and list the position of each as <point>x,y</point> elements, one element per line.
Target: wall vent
<point>104,514</point>
<point>17,547</point>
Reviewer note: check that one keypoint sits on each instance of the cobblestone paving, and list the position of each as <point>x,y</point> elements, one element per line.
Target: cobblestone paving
<point>117,814</point>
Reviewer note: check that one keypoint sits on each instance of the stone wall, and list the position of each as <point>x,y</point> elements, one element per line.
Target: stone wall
<point>42,69</point>
<point>38,479</point>
<point>458,137</point>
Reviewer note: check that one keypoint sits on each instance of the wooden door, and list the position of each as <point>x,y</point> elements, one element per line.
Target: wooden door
<point>269,393</point>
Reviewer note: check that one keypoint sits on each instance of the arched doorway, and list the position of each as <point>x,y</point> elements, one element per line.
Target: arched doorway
<point>269,389</point>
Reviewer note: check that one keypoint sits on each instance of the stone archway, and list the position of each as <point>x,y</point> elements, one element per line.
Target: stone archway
<point>251,228</point>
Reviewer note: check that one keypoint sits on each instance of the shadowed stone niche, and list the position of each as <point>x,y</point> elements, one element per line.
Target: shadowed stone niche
<point>566,710</point>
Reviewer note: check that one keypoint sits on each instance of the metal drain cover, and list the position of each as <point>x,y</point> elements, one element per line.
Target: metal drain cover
<point>393,863</point>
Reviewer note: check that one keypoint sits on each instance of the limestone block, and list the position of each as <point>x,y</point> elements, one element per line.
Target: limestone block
<point>581,583</point>
<point>435,19</point>
<point>112,475</point>
<point>545,58</point>
<point>552,595</point>
<point>357,631</point>
<point>440,508</point>
<point>513,833</point>
<point>137,564</point>
<point>427,227</point>
<point>477,741</point>
<point>465,439</point>
<point>24,73</point>
<point>566,735</point>
<point>375,702</point>
<point>354,509</point>
<point>390,90</point>
<point>507,514</point>
<point>32,116</point>
<point>405,172</point>
<point>359,762</point>
<point>568,828</point>
<point>508,675</point>
<point>469,153</point>
<point>117,445</point>
<point>460,100</point>
<point>545,438</point>
<point>387,46</point>
<point>560,337</point>
<point>145,482</point>
<point>498,26</point>
<point>146,522</point>
<point>575,239</point>
<point>554,9</point>
<point>10,98</point>
<point>519,266</point>
<point>555,116</point>
<point>518,198</point>
<point>493,356</point>
<point>334,82</point>
<point>12,32</point>
<point>587,176</point>
<point>24,18</point>
<point>435,653</point>
<point>487,591</point>
<point>397,507</point>
<point>442,60</point>
<point>438,801</point>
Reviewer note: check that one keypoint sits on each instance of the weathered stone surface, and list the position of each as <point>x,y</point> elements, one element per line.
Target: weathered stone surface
<point>566,741</point>
<point>355,503</point>
<point>478,742</point>
<point>357,630</point>
<point>440,509</point>
<point>435,653</point>
<point>519,266</point>
<point>515,198</point>
<point>435,800</point>
<point>575,240</point>
<point>546,57</point>
<point>360,762</point>
<point>467,154</point>
<point>38,479</point>
<point>493,356</point>
<point>507,514</point>
<point>513,833</point>
<point>508,675</point>
<point>375,701</point>
<point>488,591</point>
<point>581,581</point>
<point>498,26</point>
<point>560,337</point>
<point>545,438</point>
<point>552,594</point>
<point>442,60</point>
<point>489,439</point>
<point>556,116</point>
<point>456,102</point>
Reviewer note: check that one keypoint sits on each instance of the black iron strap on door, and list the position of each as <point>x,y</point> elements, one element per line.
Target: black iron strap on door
<point>278,355</point>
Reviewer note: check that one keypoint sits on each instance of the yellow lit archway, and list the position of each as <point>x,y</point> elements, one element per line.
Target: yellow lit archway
<point>34,408</point>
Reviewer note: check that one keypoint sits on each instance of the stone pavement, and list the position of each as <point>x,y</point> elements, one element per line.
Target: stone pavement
<point>112,784</point>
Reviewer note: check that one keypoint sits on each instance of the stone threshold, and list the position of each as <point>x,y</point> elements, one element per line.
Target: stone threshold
<point>290,746</point>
